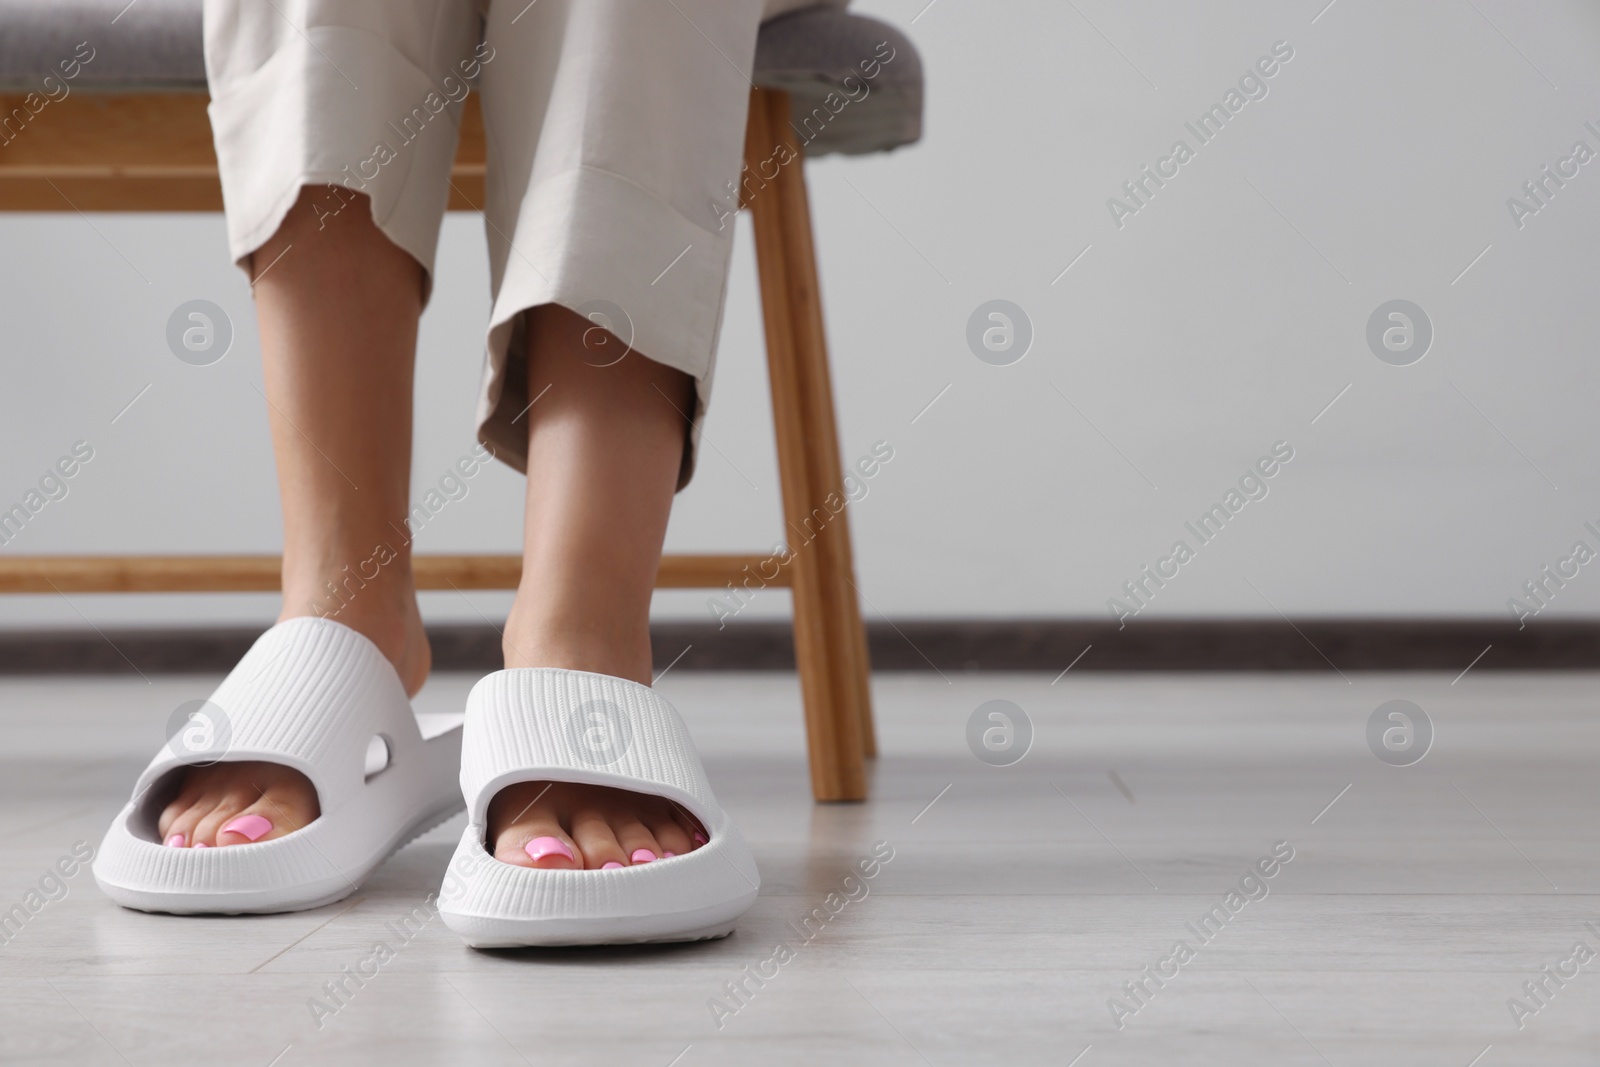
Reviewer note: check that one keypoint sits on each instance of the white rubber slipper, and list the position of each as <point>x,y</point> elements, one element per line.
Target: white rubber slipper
<point>314,695</point>
<point>554,725</point>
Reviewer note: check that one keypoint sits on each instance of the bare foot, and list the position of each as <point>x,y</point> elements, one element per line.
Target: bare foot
<point>232,803</point>
<point>564,825</point>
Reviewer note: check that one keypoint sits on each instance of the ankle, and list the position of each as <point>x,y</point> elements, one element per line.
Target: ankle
<point>385,614</point>
<point>622,652</point>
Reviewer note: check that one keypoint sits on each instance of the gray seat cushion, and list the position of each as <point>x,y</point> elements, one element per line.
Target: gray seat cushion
<point>152,44</point>
<point>856,82</point>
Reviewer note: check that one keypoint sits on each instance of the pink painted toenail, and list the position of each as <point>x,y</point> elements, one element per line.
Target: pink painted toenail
<point>176,841</point>
<point>699,838</point>
<point>251,826</point>
<point>202,844</point>
<point>642,855</point>
<point>540,847</point>
<point>612,865</point>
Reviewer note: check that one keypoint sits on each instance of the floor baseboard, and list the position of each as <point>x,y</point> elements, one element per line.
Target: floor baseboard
<point>942,645</point>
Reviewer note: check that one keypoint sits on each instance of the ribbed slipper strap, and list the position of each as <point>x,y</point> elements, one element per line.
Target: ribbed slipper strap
<point>310,694</point>
<point>548,724</point>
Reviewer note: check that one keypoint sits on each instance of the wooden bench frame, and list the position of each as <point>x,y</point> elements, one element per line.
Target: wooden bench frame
<point>153,152</point>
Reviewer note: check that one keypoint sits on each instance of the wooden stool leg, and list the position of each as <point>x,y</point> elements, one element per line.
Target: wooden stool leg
<point>861,662</point>
<point>830,645</point>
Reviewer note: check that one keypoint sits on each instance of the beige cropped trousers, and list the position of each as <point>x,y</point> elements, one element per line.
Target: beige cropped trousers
<point>615,132</point>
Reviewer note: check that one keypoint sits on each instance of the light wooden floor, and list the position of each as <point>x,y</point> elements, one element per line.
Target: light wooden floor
<point>1013,908</point>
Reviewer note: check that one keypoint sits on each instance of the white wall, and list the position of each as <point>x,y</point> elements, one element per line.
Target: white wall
<point>1220,319</point>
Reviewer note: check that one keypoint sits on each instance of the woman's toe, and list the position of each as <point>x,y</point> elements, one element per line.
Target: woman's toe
<point>600,846</point>
<point>282,809</point>
<point>639,845</point>
<point>219,812</point>
<point>254,823</point>
<point>177,824</point>
<point>538,843</point>
<point>672,838</point>
<point>689,825</point>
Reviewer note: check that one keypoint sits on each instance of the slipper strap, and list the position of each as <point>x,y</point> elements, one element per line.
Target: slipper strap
<point>550,724</point>
<point>310,694</point>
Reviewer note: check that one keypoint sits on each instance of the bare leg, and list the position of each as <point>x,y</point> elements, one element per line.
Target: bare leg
<point>604,448</point>
<point>338,317</point>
